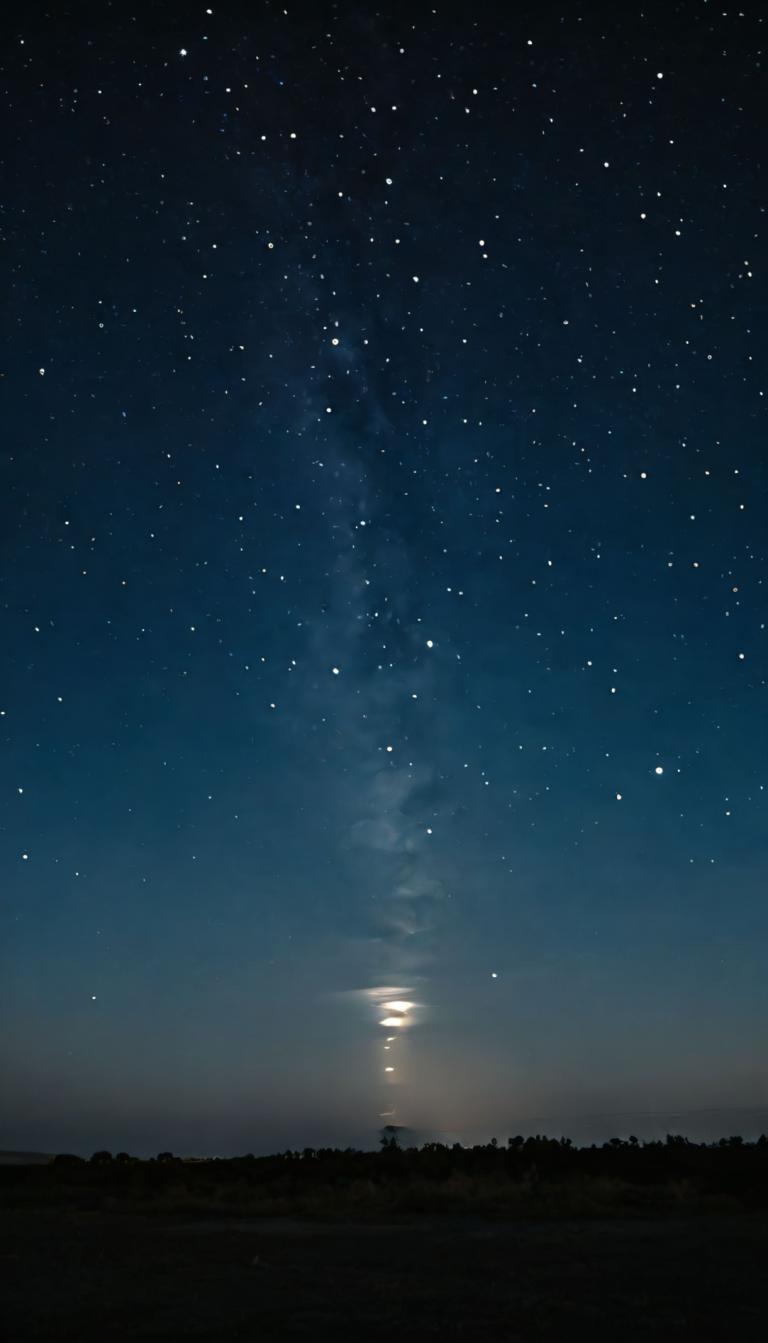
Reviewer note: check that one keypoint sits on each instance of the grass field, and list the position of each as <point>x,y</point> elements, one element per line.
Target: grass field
<point>534,1241</point>
<point>95,1276</point>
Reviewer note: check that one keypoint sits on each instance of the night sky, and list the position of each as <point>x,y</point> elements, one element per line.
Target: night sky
<point>384,536</point>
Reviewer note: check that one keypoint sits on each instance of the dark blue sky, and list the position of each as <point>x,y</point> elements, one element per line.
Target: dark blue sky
<point>383,574</point>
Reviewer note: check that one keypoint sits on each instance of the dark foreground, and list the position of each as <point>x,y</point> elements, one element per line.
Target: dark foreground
<point>97,1276</point>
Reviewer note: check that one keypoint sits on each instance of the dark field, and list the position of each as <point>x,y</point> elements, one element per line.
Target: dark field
<point>536,1240</point>
<point>96,1276</point>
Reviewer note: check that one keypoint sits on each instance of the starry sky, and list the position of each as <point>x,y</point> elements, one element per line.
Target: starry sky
<point>383,574</point>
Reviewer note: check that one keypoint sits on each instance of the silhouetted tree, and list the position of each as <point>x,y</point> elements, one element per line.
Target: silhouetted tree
<point>389,1138</point>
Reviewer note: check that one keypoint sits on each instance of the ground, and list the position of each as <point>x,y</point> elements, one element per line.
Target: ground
<point>99,1276</point>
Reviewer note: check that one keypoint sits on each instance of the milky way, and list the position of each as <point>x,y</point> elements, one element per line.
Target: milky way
<point>384,524</point>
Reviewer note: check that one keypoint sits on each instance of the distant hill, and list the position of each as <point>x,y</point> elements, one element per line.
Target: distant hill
<point>25,1158</point>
